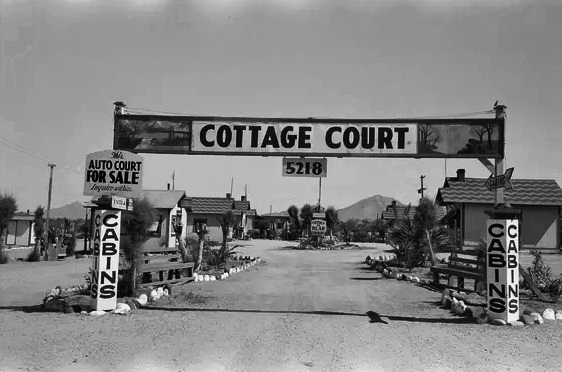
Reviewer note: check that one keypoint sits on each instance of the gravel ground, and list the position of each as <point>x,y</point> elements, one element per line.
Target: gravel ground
<point>297,311</point>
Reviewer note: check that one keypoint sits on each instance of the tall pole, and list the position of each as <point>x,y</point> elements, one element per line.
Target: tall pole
<point>231,185</point>
<point>420,191</point>
<point>319,192</point>
<point>51,165</point>
<point>174,180</point>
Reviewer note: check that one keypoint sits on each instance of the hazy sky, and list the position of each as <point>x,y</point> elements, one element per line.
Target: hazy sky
<point>63,63</point>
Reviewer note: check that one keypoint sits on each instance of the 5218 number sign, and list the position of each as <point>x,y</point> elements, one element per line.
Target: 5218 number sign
<point>301,167</point>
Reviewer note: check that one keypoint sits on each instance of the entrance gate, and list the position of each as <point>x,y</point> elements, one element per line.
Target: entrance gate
<point>467,138</point>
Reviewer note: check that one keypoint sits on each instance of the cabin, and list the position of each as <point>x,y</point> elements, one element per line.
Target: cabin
<point>279,224</point>
<point>169,209</point>
<point>20,231</point>
<point>467,199</point>
<point>208,210</point>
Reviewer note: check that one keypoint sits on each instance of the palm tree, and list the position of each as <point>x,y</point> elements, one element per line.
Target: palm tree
<point>8,207</point>
<point>331,220</point>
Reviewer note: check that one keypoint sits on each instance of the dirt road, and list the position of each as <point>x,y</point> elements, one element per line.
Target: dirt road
<point>297,311</point>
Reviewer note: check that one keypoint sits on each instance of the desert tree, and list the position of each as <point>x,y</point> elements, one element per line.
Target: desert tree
<point>201,231</point>
<point>306,217</point>
<point>226,221</point>
<point>293,212</point>
<point>38,231</point>
<point>8,207</point>
<point>177,226</point>
<point>425,216</point>
<point>137,223</point>
<point>331,220</point>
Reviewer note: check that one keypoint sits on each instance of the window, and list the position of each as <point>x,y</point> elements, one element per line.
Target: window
<point>154,230</point>
<point>279,225</point>
<point>197,222</point>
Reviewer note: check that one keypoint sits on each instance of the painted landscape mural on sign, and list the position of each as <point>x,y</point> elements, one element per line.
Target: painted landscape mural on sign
<point>461,139</point>
<point>149,134</point>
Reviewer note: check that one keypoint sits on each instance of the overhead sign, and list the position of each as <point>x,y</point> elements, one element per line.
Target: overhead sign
<point>503,180</point>
<point>406,138</point>
<point>305,167</point>
<point>318,227</point>
<point>110,172</point>
<point>107,229</point>
<point>503,269</point>
<point>118,202</point>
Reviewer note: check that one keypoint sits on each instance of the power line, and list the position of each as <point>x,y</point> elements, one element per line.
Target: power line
<point>157,112</point>
<point>29,152</point>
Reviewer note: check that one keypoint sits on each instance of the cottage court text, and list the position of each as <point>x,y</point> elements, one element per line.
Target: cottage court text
<point>322,137</point>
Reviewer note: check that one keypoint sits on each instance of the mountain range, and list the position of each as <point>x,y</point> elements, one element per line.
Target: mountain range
<point>73,211</point>
<point>368,208</point>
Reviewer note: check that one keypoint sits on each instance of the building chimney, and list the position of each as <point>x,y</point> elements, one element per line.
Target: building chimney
<point>228,195</point>
<point>461,175</point>
<point>394,203</point>
<point>28,211</point>
<point>243,198</point>
<point>168,187</point>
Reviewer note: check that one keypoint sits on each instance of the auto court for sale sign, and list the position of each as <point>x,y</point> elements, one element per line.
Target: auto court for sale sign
<point>111,172</point>
<point>117,174</point>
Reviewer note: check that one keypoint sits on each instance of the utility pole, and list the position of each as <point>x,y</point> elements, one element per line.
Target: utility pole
<point>174,180</point>
<point>51,165</point>
<point>420,190</point>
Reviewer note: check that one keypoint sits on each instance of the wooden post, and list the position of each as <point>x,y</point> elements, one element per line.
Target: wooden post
<point>499,163</point>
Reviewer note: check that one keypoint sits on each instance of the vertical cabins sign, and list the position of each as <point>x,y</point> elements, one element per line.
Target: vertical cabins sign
<point>107,229</point>
<point>116,173</point>
<point>503,269</point>
<point>406,138</point>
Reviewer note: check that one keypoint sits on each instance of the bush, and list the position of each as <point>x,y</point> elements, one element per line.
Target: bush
<point>540,273</point>
<point>33,256</point>
<point>70,242</point>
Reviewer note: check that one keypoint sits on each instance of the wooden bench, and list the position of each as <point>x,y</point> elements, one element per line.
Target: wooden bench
<point>166,262</point>
<point>462,265</point>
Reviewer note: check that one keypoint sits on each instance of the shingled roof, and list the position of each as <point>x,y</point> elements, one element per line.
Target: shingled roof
<point>524,192</point>
<point>389,213</point>
<point>208,205</point>
<point>164,199</point>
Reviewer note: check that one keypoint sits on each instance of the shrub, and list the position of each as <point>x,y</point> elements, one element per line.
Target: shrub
<point>33,256</point>
<point>70,242</point>
<point>540,273</point>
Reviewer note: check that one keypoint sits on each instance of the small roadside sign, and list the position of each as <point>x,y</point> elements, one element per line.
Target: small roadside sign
<point>118,202</point>
<point>318,227</point>
<point>497,182</point>
<point>319,215</point>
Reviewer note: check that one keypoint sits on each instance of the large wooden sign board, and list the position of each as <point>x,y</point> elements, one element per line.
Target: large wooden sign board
<point>401,138</point>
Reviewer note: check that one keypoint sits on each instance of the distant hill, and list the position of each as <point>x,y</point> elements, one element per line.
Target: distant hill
<point>73,211</point>
<point>366,208</point>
